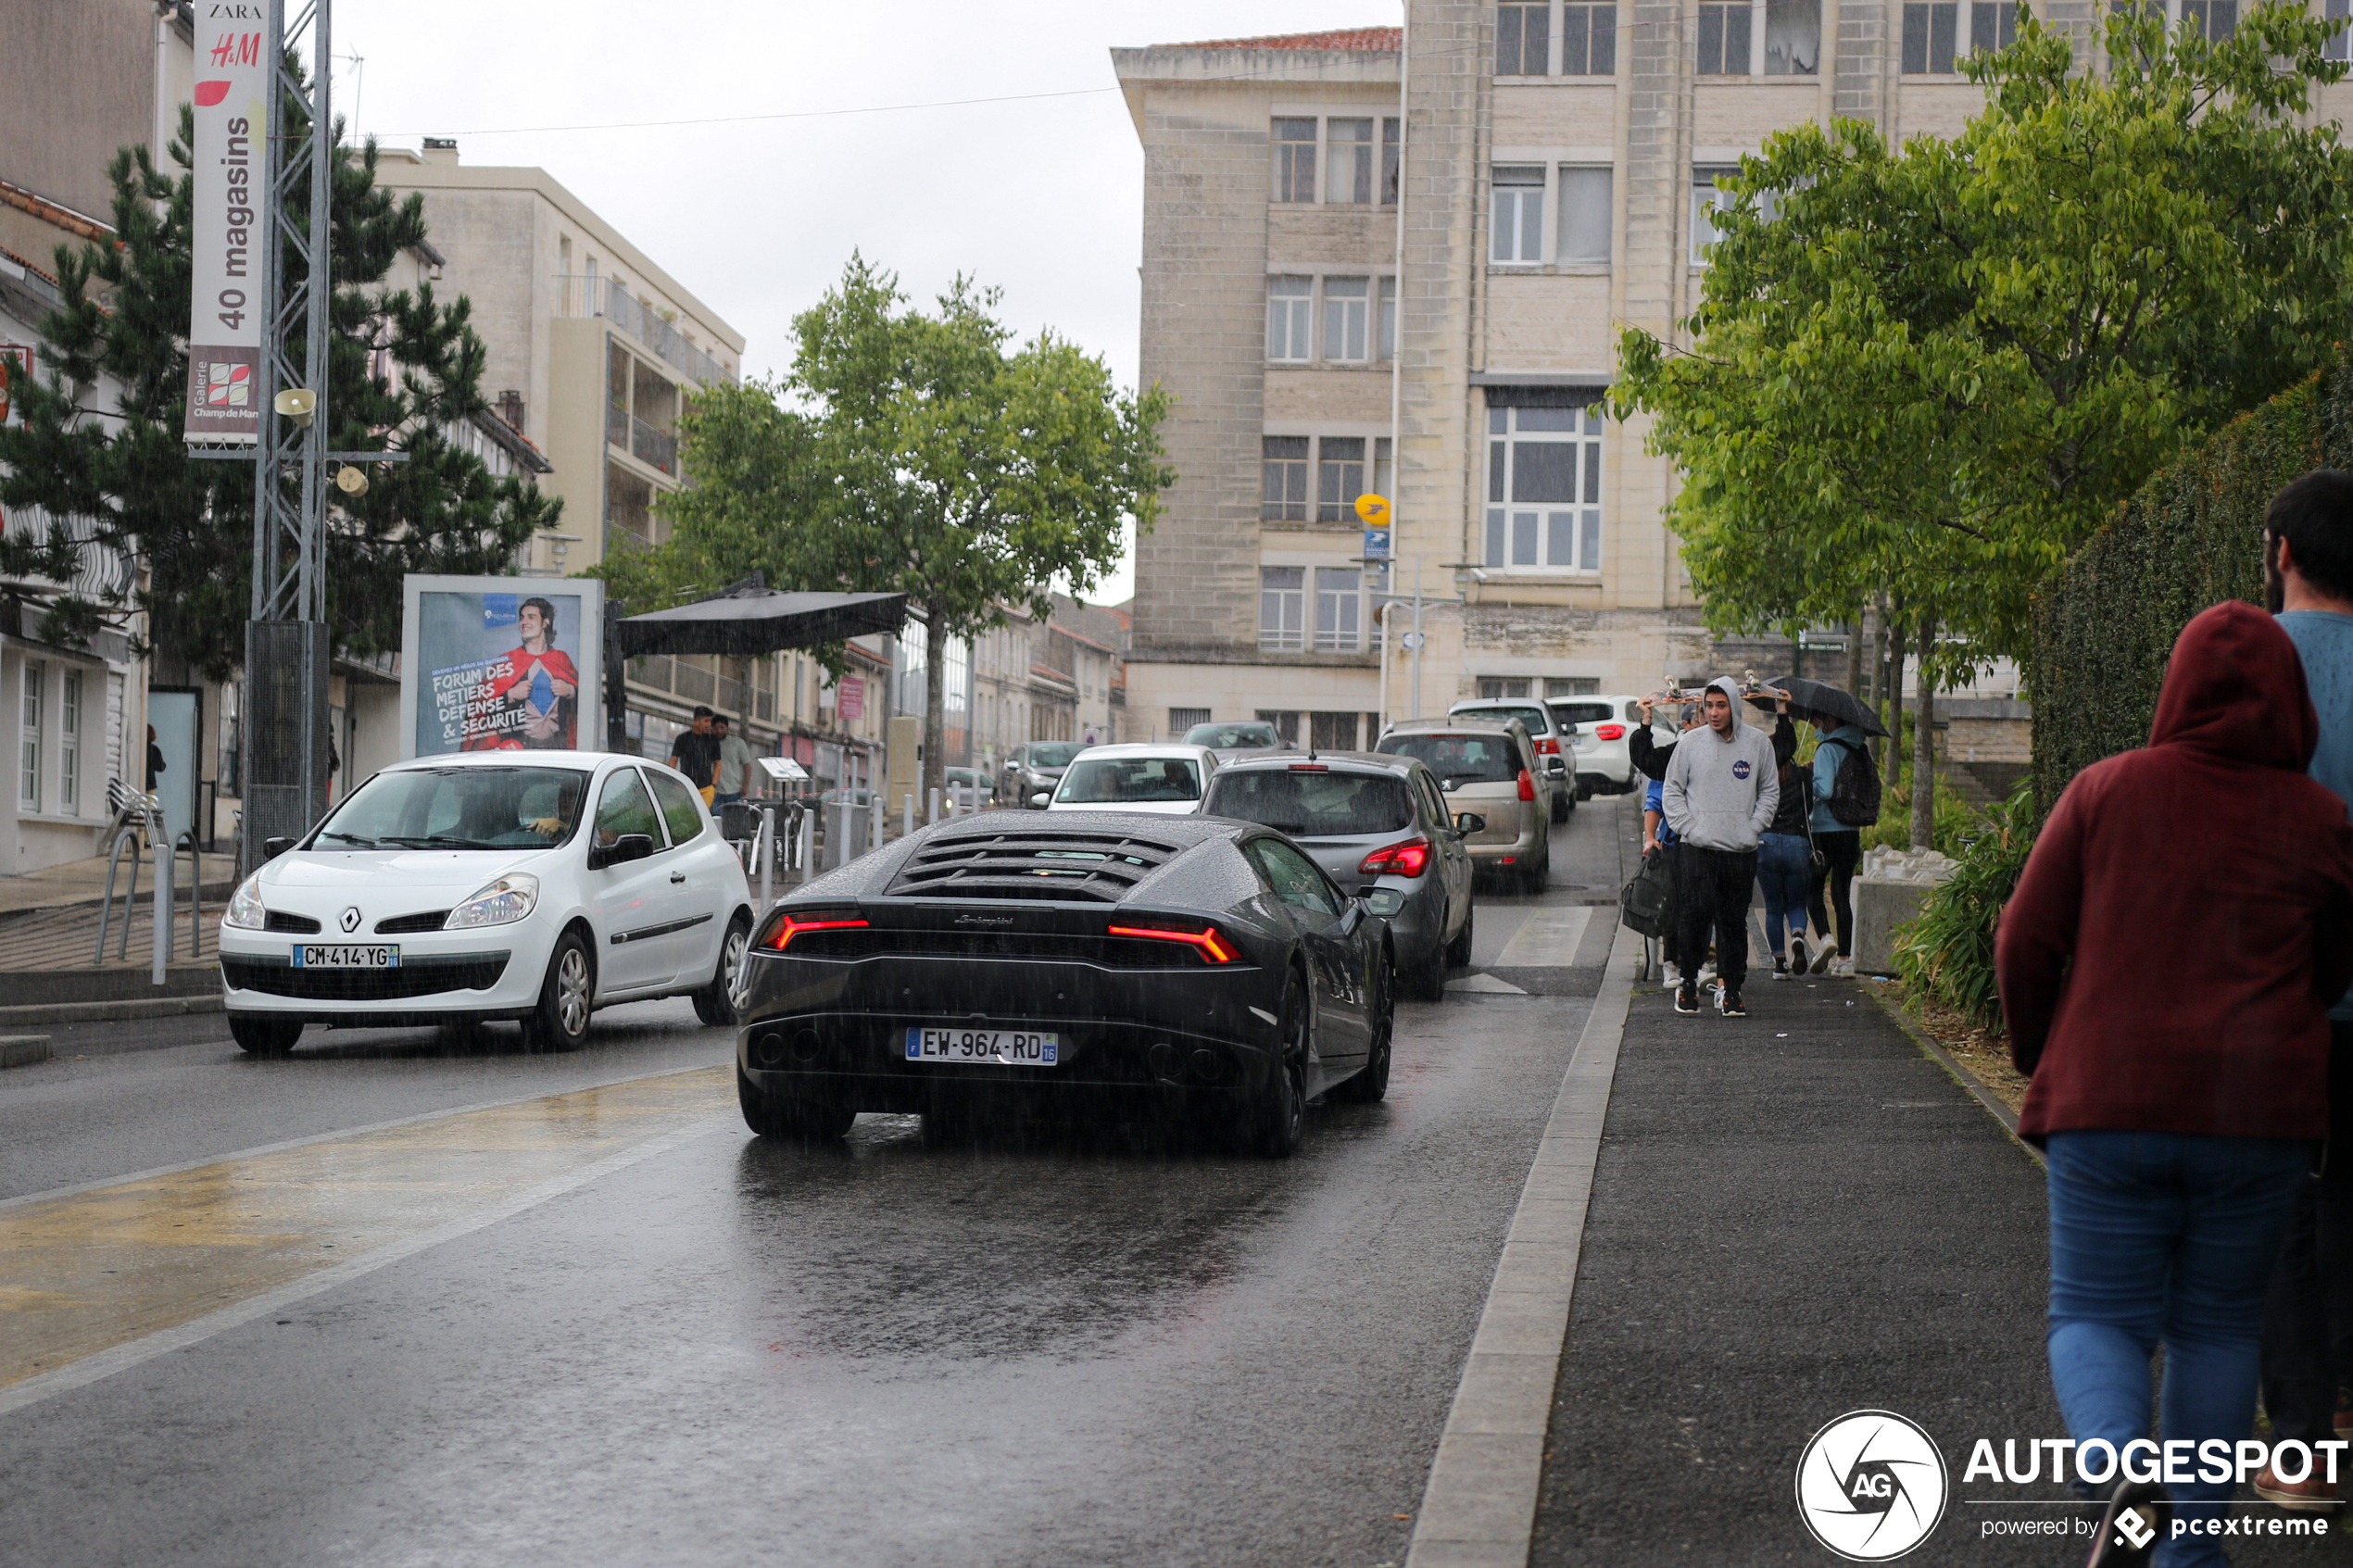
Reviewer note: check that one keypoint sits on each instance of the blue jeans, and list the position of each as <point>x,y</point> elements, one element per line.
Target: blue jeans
<point>1785,870</point>
<point>2165,1238</point>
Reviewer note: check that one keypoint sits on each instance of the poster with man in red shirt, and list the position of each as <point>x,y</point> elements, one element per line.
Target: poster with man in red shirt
<point>499,669</point>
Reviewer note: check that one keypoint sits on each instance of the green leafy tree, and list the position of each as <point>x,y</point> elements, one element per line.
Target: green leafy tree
<point>924,456</point>
<point>1927,373</point>
<point>403,367</point>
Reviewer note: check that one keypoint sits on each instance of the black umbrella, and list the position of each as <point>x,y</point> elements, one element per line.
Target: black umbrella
<point>1834,703</point>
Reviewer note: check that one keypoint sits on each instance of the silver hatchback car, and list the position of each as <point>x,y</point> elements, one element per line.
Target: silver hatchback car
<point>1369,820</point>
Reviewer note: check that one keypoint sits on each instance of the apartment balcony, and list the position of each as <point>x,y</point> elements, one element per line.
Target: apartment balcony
<point>578,297</point>
<point>655,448</point>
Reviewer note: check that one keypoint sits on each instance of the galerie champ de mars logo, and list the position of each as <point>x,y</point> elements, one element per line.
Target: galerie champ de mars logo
<point>1872,1485</point>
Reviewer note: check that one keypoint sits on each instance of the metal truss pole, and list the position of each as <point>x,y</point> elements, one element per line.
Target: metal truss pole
<point>286,644</point>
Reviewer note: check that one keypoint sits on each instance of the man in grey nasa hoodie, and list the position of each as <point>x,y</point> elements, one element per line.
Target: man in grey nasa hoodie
<point>1721,791</point>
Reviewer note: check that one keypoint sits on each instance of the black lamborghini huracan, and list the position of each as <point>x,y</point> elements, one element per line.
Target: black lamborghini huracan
<point>1178,965</point>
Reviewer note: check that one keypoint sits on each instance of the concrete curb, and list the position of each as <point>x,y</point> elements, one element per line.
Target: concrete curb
<point>1976,1087</point>
<point>1479,1509</point>
<point>23,1050</point>
<point>111,1012</point>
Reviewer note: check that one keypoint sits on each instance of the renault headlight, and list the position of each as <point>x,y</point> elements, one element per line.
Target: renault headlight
<point>502,903</point>
<point>245,912</point>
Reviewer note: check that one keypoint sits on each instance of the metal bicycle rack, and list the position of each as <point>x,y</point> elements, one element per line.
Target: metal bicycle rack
<point>136,813</point>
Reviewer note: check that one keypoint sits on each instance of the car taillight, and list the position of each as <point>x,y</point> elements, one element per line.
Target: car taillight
<point>1609,732</point>
<point>1548,745</point>
<point>1527,784</point>
<point>1397,859</point>
<point>791,925</point>
<point>1208,944</point>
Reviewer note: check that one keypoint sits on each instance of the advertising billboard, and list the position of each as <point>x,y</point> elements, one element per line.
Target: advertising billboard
<point>500,664</point>
<point>232,174</point>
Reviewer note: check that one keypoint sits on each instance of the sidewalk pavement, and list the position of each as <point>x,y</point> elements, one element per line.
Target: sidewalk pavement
<point>1796,1215</point>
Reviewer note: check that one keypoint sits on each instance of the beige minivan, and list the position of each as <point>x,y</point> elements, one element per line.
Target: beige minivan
<point>1488,767</point>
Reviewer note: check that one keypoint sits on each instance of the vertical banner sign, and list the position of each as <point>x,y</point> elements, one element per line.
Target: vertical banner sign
<point>231,183</point>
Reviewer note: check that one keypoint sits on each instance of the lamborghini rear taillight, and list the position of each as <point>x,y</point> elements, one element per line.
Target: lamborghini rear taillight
<point>1208,944</point>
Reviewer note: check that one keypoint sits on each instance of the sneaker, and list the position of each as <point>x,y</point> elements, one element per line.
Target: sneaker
<point>1796,957</point>
<point>1780,968</point>
<point>1728,1003</point>
<point>1822,957</point>
<point>1687,996</point>
<point>1707,972</point>
<point>1842,969</point>
<point>2310,1495</point>
<point>1670,975</point>
<point>2136,1517</point>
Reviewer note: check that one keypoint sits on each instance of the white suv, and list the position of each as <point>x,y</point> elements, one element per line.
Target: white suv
<point>1598,729</point>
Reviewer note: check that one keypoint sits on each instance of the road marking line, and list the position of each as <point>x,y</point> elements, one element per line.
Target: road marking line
<point>1479,1509</point>
<point>1546,939</point>
<point>1487,983</point>
<point>122,1357</point>
<point>90,1273</point>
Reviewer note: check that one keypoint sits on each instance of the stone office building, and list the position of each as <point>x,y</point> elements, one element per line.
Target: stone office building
<point>1398,260</point>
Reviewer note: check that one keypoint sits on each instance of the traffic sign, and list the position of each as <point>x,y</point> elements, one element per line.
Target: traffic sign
<point>1376,543</point>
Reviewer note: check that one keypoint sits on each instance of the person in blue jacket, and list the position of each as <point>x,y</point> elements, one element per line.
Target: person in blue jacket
<point>1841,847</point>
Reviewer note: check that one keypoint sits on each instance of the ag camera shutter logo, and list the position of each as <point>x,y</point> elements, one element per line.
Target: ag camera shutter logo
<point>1872,1485</point>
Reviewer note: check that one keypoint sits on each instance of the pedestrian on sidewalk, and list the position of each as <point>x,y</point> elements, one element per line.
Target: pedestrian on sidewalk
<point>2307,1329</point>
<point>1650,759</point>
<point>2166,992</point>
<point>1842,746</point>
<point>1785,854</point>
<point>1720,793</point>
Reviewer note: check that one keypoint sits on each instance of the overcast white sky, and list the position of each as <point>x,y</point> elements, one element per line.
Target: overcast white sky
<point>1041,198</point>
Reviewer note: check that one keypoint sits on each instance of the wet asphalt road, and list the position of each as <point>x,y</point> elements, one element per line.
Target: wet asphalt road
<point>1057,1345</point>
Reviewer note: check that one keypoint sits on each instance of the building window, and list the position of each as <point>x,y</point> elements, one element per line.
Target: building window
<point>1572,686</point>
<point>1585,218</point>
<point>1391,151</point>
<point>1295,160</point>
<point>29,738</point>
<point>1286,491</point>
<point>1589,39</point>
<point>1708,199</point>
<point>1282,607</point>
<point>1723,38</point>
<point>1938,34</point>
<point>1348,169</point>
<point>1931,33</point>
<point>1387,320</point>
<point>1518,226</point>
<point>1333,731</point>
<point>1493,687</point>
<point>1290,315</point>
<point>70,743</point>
<point>1181,720</point>
<point>2340,45</point>
<point>1340,477</point>
<point>1346,301</point>
<point>2213,19</point>
<point>1286,724</point>
<point>1338,598</point>
<point>1523,37</point>
<point>1993,25</point>
<point>1384,469</point>
<point>1793,37</point>
<point>1544,489</point>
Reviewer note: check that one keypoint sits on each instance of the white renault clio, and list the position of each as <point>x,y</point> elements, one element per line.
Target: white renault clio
<point>533,885</point>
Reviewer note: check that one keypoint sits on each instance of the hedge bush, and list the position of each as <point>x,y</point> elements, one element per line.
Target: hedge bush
<point>2192,536</point>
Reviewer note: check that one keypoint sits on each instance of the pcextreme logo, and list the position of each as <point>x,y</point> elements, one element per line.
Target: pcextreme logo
<point>1872,1485</point>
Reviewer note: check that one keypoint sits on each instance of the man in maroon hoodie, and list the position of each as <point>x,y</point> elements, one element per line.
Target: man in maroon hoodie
<point>2166,969</point>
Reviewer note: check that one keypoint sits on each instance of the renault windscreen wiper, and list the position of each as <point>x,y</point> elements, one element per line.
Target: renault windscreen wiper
<point>436,840</point>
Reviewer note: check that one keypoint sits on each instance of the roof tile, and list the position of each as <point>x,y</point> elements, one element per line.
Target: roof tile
<point>1368,40</point>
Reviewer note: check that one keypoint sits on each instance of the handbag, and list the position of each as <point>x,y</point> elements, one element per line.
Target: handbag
<point>1647,904</point>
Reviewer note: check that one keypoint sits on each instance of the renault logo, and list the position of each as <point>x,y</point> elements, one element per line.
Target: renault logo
<point>351,920</point>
